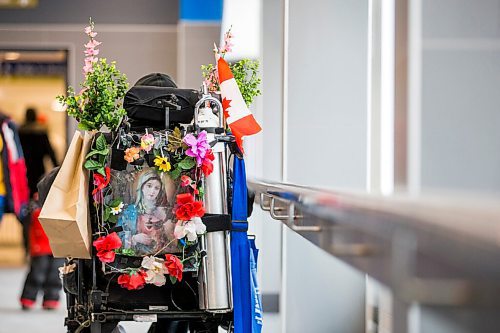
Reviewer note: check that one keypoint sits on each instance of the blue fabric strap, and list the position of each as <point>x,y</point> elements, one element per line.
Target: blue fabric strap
<point>239,226</point>
<point>240,252</point>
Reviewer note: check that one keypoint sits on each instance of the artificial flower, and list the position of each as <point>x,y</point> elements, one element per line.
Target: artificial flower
<point>228,44</point>
<point>198,146</point>
<point>147,142</point>
<point>191,229</point>
<point>90,52</point>
<point>118,209</point>
<point>100,182</point>
<point>133,281</point>
<point>187,207</point>
<point>174,266</point>
<point>156,270</point>
<point>105,246</point>
<point>90,31</point>
<point>162,163</point>
<point>92,44</point>
<point>186,181</point>
<point>207,166</point>
<point>131,154</point>
<point>88,68</point>
<point>184,198</point>
<point>106,256</point>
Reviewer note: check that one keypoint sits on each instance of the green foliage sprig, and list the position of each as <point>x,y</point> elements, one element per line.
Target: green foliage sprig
<point>245,74</point>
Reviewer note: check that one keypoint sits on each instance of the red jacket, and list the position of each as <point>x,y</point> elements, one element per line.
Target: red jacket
<point>39,243</point>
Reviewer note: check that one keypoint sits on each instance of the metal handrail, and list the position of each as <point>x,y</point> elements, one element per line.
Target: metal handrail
<point>439,249</point>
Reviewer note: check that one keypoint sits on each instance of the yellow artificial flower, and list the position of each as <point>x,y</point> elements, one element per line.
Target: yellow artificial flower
<point>162,163</point>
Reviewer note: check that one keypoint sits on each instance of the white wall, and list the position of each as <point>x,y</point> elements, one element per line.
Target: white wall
<point>460,100</point>
<point>325,146</point>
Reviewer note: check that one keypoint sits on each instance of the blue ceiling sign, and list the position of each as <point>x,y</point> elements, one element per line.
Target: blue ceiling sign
<point>201,10</point>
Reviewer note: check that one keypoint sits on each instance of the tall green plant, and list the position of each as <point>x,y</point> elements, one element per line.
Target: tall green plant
<point>99,102</point>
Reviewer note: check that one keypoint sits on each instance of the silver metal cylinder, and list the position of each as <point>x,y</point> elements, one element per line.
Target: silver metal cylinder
<point>215,270</point>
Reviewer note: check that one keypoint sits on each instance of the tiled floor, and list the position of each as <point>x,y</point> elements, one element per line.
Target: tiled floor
<point>14,320</point>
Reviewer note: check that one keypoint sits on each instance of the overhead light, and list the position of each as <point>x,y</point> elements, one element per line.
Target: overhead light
<point>18,3</point>
<point>12,55</point>
<point>57,106</point>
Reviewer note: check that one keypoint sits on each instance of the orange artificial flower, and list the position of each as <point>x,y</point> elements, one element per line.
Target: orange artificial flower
<point>131,154</point>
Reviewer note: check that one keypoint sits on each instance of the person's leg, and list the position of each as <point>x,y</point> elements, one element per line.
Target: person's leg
<point>52,286</point>
<point>34,281</point>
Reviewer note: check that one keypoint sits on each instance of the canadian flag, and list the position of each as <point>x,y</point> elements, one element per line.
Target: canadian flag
<point>238,117</point>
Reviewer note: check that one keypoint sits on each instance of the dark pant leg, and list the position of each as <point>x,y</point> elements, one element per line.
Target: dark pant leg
<point>26,223</point>
<point>36,277</point>
<point>52,286</point>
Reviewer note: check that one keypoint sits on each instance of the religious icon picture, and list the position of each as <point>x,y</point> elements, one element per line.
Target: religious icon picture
<point>147,217</point>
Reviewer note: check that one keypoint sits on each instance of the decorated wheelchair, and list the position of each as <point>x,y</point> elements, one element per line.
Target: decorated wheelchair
<point>151,213</point>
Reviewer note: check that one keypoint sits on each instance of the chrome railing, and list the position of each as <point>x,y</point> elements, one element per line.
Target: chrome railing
<point>439,250</point>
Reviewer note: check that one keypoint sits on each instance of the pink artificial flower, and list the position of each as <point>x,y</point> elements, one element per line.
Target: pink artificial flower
<point>198,146</point>
<point>228,45</point>
<point>185,181</point>
<point>92,44</point>
<point>91,52</point>
<point>89,31</point>
<point>147,142</point>
<point>88,68</point>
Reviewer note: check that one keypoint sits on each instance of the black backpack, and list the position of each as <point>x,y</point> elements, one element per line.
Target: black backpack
<point>153,97</point>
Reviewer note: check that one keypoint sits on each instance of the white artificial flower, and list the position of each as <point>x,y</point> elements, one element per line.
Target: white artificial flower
<point>155,270</point>
<point>118,209</point>
<point>191,229</point>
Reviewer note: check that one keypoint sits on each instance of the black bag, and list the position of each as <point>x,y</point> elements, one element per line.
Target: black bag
<point>146,106</point>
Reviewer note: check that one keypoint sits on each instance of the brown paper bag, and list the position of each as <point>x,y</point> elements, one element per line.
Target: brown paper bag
<point>65,213</point>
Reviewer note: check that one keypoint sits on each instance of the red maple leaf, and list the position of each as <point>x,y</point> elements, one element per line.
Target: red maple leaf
<point>226,103</point>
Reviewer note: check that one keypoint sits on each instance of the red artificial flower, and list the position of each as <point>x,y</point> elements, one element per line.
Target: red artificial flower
<point>187,211</point>
<point>105,246</point>
<point>106,256</point>
<point>207,166</point>
<point>133,281</point>
<point>174,266</point>
<point>184,198</point>
<point>100,181</point>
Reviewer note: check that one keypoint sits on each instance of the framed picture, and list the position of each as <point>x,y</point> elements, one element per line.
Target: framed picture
<point>147,217</point>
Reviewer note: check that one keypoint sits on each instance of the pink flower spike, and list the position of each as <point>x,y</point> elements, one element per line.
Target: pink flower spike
<point>92,44</point>
<point>91,60</point>
<point>91,52</point>
<point>88,30</point>
<point>87,68</point>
